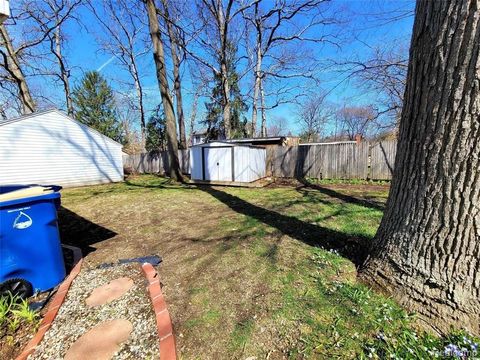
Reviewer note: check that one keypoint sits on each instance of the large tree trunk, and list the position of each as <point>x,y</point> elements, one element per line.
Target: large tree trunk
<point>177,85</point>
<point>263,130</point>
<point>258,72</point>
<point>141,107</point>
<point>12,66</point>
<point>64,73</point>
<point>223,33</point>
<point>193,113</point>
<point>256,91</point>
<point>159,59</point>
<point>427,250</point>
<point>226,105</point>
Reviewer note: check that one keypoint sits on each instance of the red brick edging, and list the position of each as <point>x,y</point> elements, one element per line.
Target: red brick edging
<point>52,311</point>
<point>164,322</point>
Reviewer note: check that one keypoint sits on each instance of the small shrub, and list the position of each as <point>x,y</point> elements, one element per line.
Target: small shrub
<point>22,311</point>
<point>13,324</point>
<point>7,303</point>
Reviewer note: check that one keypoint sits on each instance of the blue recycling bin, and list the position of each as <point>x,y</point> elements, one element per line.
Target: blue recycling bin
<point>31,255</point>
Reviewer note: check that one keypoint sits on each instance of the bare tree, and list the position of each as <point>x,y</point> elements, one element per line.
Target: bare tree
<point>159,59</point>
<point>314,117</point>
<point>57,8</point>
<point>128,118</point>
<point>126,41</point>
<point>384,73</point>
<point>200,80</point>
<point>174,36</point>
<point>214,36</point>
<point>276,26</point>
<point>426,252</point>
<point>355,120</point>
<point>37,22</point>
<point>278,127</point>
<point>11,63</point>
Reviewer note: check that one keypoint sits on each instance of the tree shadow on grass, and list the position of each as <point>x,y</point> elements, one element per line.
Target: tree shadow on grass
<point>167,184</point>
<point>351,247</point>
<point>80,232</point>
<point>343,197</point>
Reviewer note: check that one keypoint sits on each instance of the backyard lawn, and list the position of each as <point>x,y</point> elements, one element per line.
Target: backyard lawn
<point>265,273</point>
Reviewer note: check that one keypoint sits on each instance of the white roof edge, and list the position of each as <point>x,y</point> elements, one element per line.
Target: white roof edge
<point>227,144</point>
<point>257,139</point>
<point>24,117</point>
<point>330,143</point>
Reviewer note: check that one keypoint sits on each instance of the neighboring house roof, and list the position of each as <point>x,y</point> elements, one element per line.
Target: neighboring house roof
<point>200,132</point>
<point>268,138</point>
<point>271,140</point>
<point>23,117</point>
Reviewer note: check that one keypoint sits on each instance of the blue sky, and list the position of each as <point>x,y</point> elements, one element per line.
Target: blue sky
<point>367,24</point>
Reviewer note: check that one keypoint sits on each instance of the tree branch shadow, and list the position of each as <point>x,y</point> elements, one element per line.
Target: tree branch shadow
<point>343,197</point>
<point>351,247</point>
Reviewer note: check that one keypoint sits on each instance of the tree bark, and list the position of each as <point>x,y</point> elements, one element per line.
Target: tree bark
<point>258,69</point>
<point>426,252</point>
<point>264,115</point>
<point>258,79</point>
<point>193,114</point>
<point>64,73</point>
<point>177,84</point>
<point>12,66</point>
<point>159,59</point>
<point>139,90</point>
<point>223,32</point>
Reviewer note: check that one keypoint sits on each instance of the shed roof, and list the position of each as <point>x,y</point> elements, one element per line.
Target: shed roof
<point>225,144</point>
<point>268,140</point>
<point>203,131</point>
<point>24,117</point>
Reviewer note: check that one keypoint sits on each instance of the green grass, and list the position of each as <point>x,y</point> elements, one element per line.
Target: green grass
<point>253,269</point>
<point>347,181</point>
<point>241,334</point>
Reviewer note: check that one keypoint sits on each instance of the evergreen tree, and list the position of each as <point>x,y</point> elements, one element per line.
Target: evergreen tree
<point>214,118</point>
<point>156,132</point>
<point>94,104</point>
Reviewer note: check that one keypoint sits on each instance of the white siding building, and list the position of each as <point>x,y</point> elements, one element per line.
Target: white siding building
<point>51,148</point>
<point>222,162</point>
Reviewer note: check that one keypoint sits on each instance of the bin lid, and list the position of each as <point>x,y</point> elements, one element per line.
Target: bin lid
<point>17,194</point>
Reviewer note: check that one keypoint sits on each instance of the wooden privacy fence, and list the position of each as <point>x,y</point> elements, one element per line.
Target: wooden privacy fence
<point>382,159</point>
<point>341,160</point>
<point>345,160</point>
<point>155,162</point>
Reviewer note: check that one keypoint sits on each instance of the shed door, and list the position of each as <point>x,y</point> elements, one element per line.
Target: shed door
<point>218,164</point>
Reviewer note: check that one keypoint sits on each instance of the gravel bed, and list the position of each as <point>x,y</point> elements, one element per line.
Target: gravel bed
<point>75,318</point>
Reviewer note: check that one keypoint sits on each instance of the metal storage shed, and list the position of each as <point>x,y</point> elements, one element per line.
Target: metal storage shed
<point>52,148</point>
<point>220,162</point>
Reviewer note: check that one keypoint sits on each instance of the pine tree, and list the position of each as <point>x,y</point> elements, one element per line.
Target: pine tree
<point>94,104</point>
<point>214,118</point>
<point>156,139</point>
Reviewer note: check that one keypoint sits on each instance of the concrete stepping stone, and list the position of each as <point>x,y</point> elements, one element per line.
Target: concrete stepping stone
<point>109,292</point>
<point>101,342</point>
